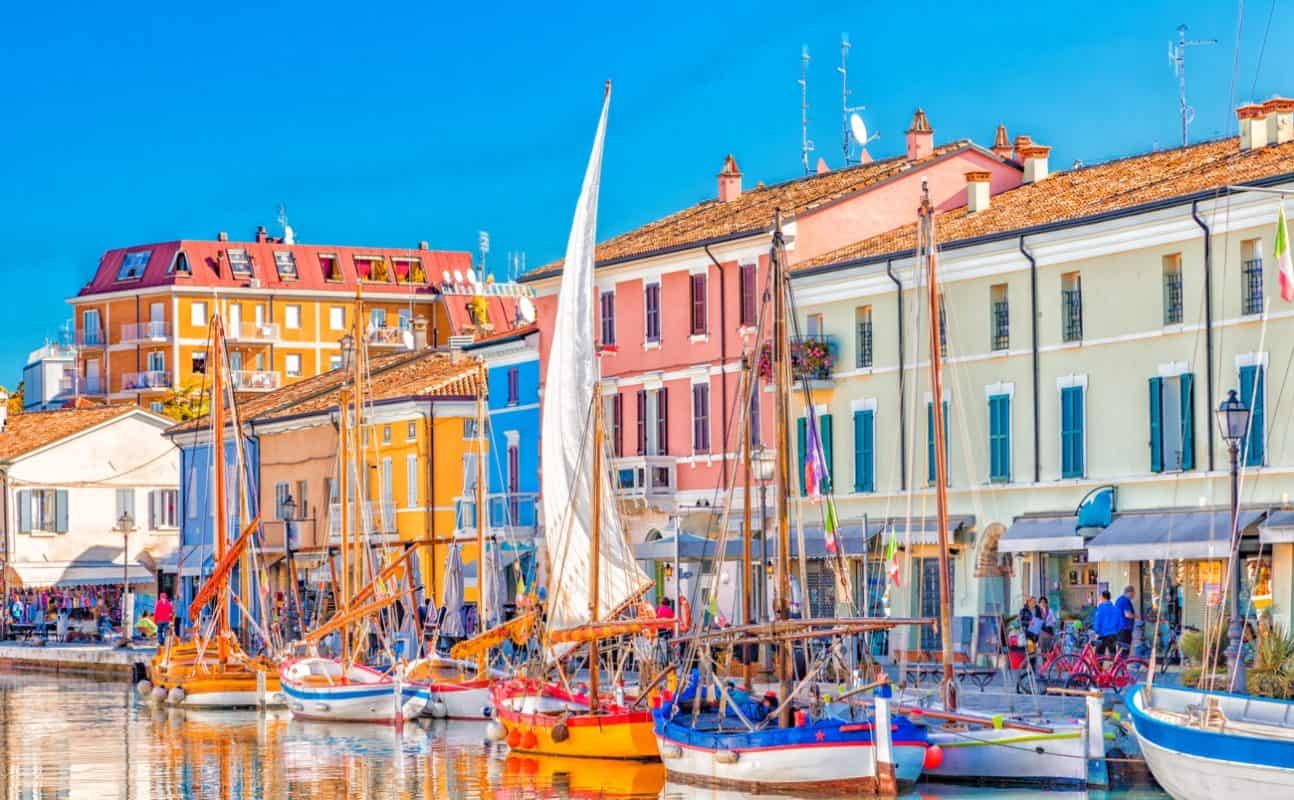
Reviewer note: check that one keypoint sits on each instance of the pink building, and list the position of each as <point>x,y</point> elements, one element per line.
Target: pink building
<point>681,298</point>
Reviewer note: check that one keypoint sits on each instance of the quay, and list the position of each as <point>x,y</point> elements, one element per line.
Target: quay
<point>93,660</point>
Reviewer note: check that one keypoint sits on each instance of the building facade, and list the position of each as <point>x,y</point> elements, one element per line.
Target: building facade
<point>48,377</point>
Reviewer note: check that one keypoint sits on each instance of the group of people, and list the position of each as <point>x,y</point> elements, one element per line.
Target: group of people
<point>1039,622</point>
<point>82,614</point>
<point>1114,622</point>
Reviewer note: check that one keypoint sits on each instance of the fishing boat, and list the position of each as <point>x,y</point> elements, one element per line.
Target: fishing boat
<point>1203,744</point>
<point>211,669</point>
<point>594,575</point>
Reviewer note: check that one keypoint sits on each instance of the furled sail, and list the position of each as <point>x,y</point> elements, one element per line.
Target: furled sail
<point>567,435</point>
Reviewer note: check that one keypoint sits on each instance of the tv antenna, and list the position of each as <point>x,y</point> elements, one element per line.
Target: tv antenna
<point>1177,60</point>
<point>483,242</point>
<point>852,129</point>
<point>289,235</point>
<point>806,145</point>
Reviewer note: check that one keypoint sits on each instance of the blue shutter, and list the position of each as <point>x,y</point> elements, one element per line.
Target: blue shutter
<point>824,430</point>
<point>1251,394</point>
<point>930,444</point>
<point>864,449</point>
<point>24,511</point>
<point>800,448</point>
<point>1071,432</point>
<point>999,420</point>
<point>1188,421</point>
<point>60,511</point>
<point>1156,425</point>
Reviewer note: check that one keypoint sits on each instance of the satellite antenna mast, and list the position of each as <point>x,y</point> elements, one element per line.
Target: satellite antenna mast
<point>289,235</point>
<point>483,242</point>
<point>843,69</point>
<point>1177,59</point>
<point>806,146</point>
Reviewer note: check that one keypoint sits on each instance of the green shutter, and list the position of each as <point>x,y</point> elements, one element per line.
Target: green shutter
<point>1188,421</point>
<point>1251,394</point>
<point>825,431</point>
<point>800,449</point>
<point>864,448</point>
<point>999,419</point>
<point>1071,432</point>
<point>930,443</point>
<point>1156,425</point>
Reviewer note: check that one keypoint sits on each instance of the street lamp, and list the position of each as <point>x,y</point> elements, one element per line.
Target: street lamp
<point>125,524</point>
<point>291,541</point>
<point>1233,422</point>
<point>763,460</point>
<point>347,351</point>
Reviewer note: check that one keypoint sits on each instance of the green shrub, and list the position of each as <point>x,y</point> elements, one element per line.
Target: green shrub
<point>1272,674</point>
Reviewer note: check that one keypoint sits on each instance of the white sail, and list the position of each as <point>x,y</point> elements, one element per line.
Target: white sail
<point>567,435</point>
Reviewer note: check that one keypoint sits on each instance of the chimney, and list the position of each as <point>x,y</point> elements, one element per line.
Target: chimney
<point>1280,120</point>
<point>921,137</point>
<point>1253,127</point>
<point>419,333</point>
<point>729,180</point>
<point>1001,144</point>
<point>977,190</point>
<point>223,236</point>
<point>1034,158</point>
<point>424,245</point>
<point>262,235</point>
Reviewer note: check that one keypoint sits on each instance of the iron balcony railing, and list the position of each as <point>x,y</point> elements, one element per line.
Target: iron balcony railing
<point>1173,298</point>
<point>76,384</point>
<point>1072,301</point>
<point>864,360</point>
<point>1252,280</point>
<point>813,356</point>
<point>253,380</point>
<point>146,331</point>
<point>507,510</point>
<point>152,379</point>
<point>1001,325</point>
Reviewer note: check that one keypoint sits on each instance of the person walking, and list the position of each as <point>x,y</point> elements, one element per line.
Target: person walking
<point>162,615</point>
<point>1127,618</point>
<point>1106,625</point>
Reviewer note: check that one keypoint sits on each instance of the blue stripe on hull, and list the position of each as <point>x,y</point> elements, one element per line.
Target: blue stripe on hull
<point>1211,745</point>
<point>358,694</point>
<point>736,737</point>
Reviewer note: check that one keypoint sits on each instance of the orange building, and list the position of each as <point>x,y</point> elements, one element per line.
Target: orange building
<point>141,321</point>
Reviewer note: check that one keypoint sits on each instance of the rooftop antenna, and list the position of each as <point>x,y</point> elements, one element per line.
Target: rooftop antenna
<point>1177,60</point>
<point>483,242</point>
<point>846,134</point>
<point>806,145</point>
<point>289,235</point>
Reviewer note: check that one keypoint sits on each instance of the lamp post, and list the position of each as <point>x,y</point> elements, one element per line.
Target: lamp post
<point>1233,423</point>
<point>347,350</point>
<point>291,541</point>
<point>125,524</point>
<point>764,462</point>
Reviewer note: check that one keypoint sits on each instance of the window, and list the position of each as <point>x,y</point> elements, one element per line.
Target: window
<point>282,491</point>
<point>999,438</point>
<point>930,444</point>
<point>514,482</point>
<point>240,262</point>
<point>607,315</point>
<point>337,318</point>
<point>181,264</point>
<point>1173,289</point>
<point>698,304</point>
<point>1253,394</point>
<point>863,345</point>
<point>286,264</point>
<point>754,415</point>
<point>1071,304</point>
<point>1172,424</point>
<point>377,319</point>
<point>199,364</point>
<point>1001,333</point>
<point>157,361</point>
<point>514,386</point>
<point>292,365</point>
<point>662,422</point>
<point>42,510</point>
<point>191,494</point>
<point>746,283</point>
<point>865,450</point>
<point>651,300</point>
<point>292,316</point>
<point>334,362</point>
<point>133,265</point>
<point>125,504</point>
<point>1071,432</point>
<point>157,407</point>
<point>163,508</point>
<point>412,433</point>
<point>408,270</point>
<point>640,405</point>
<point>388,490</point>
<point>943,328</point>
<point>411,481</point>
<point>330,266</point>
<point>386,434</point>
<point>91,327</point>
<point>617,424</point>
<point>198,313</point>
<point>813,325</point>
<point>701,417</point>
<point>469,428</point>
<point>802,442</point>
<point>372,268</point>
<point>1251,270</point>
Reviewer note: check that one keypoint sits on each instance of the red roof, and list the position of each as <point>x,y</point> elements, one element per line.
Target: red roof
<point>209,265</point>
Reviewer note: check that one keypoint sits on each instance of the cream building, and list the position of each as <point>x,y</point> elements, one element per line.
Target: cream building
<point>1094,318</point>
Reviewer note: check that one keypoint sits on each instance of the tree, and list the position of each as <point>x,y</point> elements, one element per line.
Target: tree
<point>16,399</point>
<point>188,400</point>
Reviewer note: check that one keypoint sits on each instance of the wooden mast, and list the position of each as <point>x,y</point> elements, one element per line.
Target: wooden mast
<point>748,672</point>
<point>595,543</point>
<point>343,495</point>
<point>483,578</point>
<point>926,245</point>
<point>221,507</point>
<point>781,378</point>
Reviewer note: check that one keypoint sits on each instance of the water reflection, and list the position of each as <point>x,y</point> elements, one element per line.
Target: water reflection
<point>69,738</point>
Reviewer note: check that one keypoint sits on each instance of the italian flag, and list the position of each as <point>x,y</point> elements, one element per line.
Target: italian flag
<point>1283,261</point>
<point>892,556</point>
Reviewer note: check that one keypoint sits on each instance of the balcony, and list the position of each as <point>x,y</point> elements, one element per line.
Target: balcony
<point>145,381</point>
<point>516,511</point>
<point>68,385</point>
<point>253,332</point>
<point>644,481</point>
<point>813,357</point>
<point>145,332</point>
<point>375,517</point>
<point>385,336</point>
<point>91,338</point>
<point>247,380</point>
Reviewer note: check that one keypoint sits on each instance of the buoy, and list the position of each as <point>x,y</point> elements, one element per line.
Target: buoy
<point>934,757</point>
<point>670,752</point>
<point>725,756</point>
<point>487,712</point>
<point>495,731</point>
<point>143,687</point>
<point>560,732</point>
<point>438,709</point>
<point>529,740</point>
<point>529,766</point>
<point>997,722</point>
<point>175,696</point>
<point>159,694</point>
<point>514,738</point>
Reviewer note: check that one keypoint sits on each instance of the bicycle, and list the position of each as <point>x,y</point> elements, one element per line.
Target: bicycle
<point>1115,672</point>
<point>1056,665</point>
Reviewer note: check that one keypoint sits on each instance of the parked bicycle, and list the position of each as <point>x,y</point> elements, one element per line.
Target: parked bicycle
<point>1116,672</point>
<point>1054,670</point>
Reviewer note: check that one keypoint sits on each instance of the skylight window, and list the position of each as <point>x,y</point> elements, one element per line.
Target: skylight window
<point>240,263</point>
<point>372,268</point>
<point>286,264</point>
<point>409,270</point>
<point>181,264</point>
<point>133,265</point>
<point>330,266</point>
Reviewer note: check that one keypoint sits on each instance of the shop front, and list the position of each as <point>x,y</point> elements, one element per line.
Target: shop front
<point>1053,563</point>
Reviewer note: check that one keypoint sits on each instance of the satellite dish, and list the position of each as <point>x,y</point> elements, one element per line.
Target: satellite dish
<point>858,128</point>
<point>471,277</point>
<point>526,309</point>
<point>446,276</point>
<point>458,276</point>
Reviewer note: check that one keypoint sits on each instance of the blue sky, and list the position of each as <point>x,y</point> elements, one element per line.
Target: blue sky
<point>386,123</point>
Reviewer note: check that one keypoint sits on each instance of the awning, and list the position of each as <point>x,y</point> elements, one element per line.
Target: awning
<point>690,547</point>
<point>1167,534</point>
<point>66,574</point>
<point>1278,528</point>
<point>1041,534</point>
<point>189,560</point>
<point>925,530</point>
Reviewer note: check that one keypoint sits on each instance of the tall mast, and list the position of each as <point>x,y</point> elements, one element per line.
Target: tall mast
<point>343,495</point>
<point>926,245</point>
<point>218,450</point>
<point>595,543</point>
<point>483,576</point>
<point>746,575</point>
<point>781,427</point>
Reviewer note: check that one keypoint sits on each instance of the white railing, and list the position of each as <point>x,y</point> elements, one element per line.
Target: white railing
<point>375,516</point>
<point>68,385</point>
<point>253,332</point>
<point>90,337</point>
<point>154,379</point>
<point>385,337</point>
<point>646,476</point>
<point>247,380</point>
<point>145,331</point>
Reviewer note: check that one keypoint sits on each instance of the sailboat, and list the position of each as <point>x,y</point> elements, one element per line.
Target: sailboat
<point>594,573</point>
<point>211,669</point>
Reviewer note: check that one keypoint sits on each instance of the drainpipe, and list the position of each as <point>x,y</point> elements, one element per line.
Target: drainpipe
<point>723,359</point>
<point>1033,331</point>
<point>903,426</point>
<point>1208,316</point>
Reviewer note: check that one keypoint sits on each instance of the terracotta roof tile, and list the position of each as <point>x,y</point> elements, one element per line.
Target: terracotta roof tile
<point>1083,192</point>
<point>33,430</point>
<point>752,211</point>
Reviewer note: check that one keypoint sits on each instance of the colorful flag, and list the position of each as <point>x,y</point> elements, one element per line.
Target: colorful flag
<point>892,556</point>
<point>813,461</point>
<point>830,525</point>
<point>1283,261</point>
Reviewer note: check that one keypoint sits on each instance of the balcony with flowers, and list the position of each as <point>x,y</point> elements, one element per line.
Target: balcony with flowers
<point>813,357</point>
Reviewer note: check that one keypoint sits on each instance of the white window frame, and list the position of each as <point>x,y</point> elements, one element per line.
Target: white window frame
<point>292,316</point>
<point>336,318</point>
<point>287,365</point>
<point>411,481</point>
<point>198,313</point>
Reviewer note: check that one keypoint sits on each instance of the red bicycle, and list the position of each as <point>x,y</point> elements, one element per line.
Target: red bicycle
<point>1055,667</point>
<point>1116,672</point>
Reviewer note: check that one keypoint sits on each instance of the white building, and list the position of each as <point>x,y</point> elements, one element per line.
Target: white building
<point>67,477</point>
<point>48,377</point>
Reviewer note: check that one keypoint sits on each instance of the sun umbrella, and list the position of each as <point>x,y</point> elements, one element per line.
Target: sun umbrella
<point>452,621</point>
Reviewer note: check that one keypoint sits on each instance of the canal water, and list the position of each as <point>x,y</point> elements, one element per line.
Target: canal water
<point>64,737</point>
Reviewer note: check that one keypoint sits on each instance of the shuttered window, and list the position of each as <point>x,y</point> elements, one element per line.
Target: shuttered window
<point>1172,424</point>
<point>825,433</point>
<point>617,424</point>
<point>1071,432</point>
<point>701,417</point>
<point>640,403</point>
<point>1253,394</point>
<point>411,481</point>
<point>163,508</point>
<point>930,444</point>
<point>651,302</point>
<point>698,304</point>
<point>42,510</point>
<point>864,451</point>
<point>662,421</point>
<point>999,438</point>
<point>747,280</point>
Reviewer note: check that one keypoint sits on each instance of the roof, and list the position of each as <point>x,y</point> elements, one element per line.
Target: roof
<point>33,430</point>
<point>1076,194</point>
<point>751,212</point>
<point>394,376</point>
<point>209,266</point>
<point>505,335</point>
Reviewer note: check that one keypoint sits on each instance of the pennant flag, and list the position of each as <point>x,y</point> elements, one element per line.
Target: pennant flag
<point>1283,261</point>
<point>830,525</point>
<point>892,556</point>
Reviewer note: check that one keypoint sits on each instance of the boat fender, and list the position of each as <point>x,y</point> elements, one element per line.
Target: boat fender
<point>175,696</point>
<point>298,707</point>
<point>529,740</point>
<point>321,706</point>
<point>144,688</point>
<point>438,709</point>
<point>560,732</point>
<point>411,710</point>
<point>670,752</point>
<point>495,731</point>
<point>933,758</point>
<point>726,756</point>
<point>514,739</point>
<point>278,699</point>
<point>487,712</point>
<point>159,694</point>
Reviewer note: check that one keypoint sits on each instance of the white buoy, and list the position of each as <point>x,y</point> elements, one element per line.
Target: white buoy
<point>159,694</point>
<point>495,731</point>
<point>438,709</point>
<point>144,687</point>
<point>175,696</point>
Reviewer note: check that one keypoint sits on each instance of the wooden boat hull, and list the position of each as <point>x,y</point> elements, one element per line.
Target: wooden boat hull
<point>1229,760</point>
<point>545,720</point>
<point>242,682</point>
<point>319,689</point>
<point>586,777</point>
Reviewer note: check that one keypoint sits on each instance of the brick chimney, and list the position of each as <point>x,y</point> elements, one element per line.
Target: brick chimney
<point>921,137</point>
<point>1034,158</point>
<point>1280,120</point>
<point>729,180</point>
<point>223,236</point>
<point>262,235</point>
<point>977,190</point>
<point>1253,126</point>
<point>1001,144</point>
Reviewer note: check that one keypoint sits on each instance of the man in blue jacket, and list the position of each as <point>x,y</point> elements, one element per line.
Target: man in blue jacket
<point>1106,624</point>
<point>1127,618</point>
